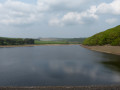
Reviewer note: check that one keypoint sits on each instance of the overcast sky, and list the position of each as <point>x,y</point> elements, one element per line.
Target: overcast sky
<point>57,18</point>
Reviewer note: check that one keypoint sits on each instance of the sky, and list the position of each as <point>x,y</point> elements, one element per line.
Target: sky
<point>57,18</point>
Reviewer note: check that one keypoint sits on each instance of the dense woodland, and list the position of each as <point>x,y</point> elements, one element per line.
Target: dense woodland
<point>15,41</point>
<point>110,36</point>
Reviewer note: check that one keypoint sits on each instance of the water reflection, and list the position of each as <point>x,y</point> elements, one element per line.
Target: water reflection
<point>112,62</point>
<point>55,66</point>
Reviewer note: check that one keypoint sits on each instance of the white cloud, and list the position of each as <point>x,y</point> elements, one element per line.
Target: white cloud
<point>68,3</point>
<point>108,8</point>
<point>16,12</point>
<point>42,6</point>
<point>55,22</point>
<point>111,21</point>
<point>74,18</point>
<point>92,13</point>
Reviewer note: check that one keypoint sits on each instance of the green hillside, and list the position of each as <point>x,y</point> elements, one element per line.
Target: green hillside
<point>110,36</point>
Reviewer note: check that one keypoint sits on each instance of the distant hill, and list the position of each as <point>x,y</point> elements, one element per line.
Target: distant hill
<point>49,39</point>
<point>75,40</point>
<point>110,36</point>
<point>78,40</point>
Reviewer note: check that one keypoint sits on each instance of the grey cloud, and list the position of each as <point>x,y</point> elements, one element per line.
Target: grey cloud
<point>74,17</point>
<point>16,12</point>
<point>89,15</point>
<point>77,17</point>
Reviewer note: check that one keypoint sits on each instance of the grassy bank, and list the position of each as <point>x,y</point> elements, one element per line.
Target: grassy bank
<point>53,42</point>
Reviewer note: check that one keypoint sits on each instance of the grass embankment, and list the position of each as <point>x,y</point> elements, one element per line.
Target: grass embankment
<point>53,42</point>
<point>110,36</point>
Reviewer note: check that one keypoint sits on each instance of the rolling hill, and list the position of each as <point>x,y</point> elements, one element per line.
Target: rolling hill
<point>110,36</point>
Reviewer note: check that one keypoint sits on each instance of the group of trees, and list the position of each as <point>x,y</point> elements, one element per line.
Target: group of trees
<point>110,36</point>
<point>19,41</point>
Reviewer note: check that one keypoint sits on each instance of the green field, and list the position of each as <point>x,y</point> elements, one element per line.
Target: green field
<point>25,41</point>
<point>53,42</point>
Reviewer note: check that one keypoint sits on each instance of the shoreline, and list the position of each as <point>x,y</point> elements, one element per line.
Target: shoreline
<point>105,49</point>
<point>32,45</point>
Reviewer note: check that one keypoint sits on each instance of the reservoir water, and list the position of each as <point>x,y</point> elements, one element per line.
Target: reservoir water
<point>57,66</point>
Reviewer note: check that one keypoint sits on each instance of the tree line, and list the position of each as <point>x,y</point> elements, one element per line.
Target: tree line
<point>19,41</point>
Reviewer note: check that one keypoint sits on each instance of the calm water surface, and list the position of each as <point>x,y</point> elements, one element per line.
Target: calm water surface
<point>57,66</point>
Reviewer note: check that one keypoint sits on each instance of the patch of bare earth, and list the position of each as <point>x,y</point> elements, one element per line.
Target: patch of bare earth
<point>105,48</point>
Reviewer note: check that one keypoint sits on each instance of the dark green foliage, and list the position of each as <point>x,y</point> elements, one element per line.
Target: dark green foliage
<point>110,36</point>
<point>116,42</point>
<point>28,41</point>
<point>17,41</point>
<point>50,42</point>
